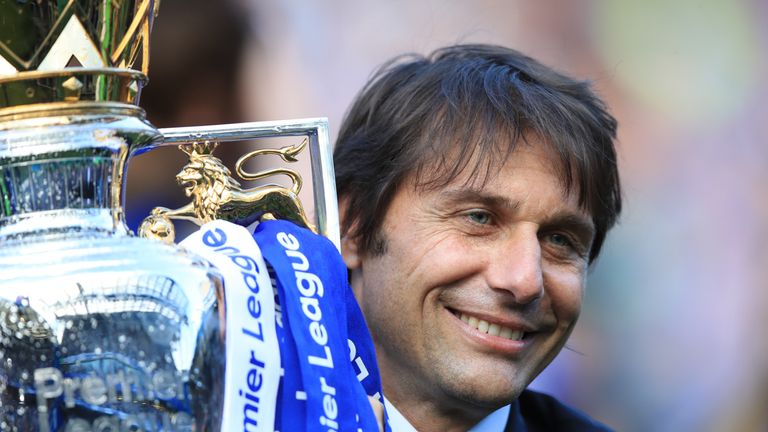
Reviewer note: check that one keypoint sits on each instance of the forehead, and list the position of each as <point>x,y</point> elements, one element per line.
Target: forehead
<point>528,178</point>
<point>480,163</point>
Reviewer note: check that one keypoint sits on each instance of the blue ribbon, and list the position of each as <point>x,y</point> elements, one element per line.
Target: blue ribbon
<point>291,413</point>
<point>319,316</point>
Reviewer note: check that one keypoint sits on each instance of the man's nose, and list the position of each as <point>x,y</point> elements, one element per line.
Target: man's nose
<point>516,266</point>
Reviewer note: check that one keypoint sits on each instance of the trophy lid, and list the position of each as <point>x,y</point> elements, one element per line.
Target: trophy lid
<point>73,50</point>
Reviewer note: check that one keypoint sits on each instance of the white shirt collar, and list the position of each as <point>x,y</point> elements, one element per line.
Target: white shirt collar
<point>494,422</point>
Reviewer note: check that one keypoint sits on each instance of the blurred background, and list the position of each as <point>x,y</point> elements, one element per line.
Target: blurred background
<point>672,336</point>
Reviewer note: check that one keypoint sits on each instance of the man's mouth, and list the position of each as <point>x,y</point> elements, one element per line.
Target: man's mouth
<point>491,328</point>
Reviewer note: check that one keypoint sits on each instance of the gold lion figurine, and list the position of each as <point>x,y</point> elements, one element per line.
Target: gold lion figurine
<point>216,195</point>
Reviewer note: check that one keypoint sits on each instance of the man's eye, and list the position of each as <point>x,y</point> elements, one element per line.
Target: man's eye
<point>560,240</point>
<point>567,245</point>
<point>479,217</point>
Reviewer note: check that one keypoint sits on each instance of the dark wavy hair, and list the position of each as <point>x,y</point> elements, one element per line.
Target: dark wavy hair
<point>467,107</point>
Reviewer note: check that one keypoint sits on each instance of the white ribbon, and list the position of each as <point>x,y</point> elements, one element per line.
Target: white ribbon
<point>252,354</point>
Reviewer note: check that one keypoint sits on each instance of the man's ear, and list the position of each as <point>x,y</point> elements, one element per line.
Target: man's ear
<point>349,244</point>
<point>349,252</point>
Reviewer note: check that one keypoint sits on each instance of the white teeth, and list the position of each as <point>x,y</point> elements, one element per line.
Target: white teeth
<point>491,329</point>
<point>472,321</point>
<point>483,326</point>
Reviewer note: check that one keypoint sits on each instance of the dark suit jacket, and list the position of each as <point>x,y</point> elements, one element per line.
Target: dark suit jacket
<point>537,412</point>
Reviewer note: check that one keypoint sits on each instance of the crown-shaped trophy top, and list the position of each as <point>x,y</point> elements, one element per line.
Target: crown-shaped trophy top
<point>73,50</point>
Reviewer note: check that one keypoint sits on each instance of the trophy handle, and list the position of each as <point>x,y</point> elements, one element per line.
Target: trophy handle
<point>217,195</point>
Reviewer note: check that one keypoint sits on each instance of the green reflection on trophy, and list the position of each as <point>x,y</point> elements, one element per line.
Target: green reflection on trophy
<point>56,51</point>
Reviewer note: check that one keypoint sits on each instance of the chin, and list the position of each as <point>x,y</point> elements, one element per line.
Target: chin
<point>487,393</point>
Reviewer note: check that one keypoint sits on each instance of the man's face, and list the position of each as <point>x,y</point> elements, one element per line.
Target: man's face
<point>478,288</point>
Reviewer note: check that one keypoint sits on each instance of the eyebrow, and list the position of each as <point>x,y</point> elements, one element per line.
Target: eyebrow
<point>480,196</point>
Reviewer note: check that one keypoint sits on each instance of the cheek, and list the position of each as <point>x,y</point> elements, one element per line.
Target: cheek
<point>407,279</point>
<point>384,287</point>
<point>566,290</point>
<point>424,261</point>
<point>451,258</point>
<point>391,306</point>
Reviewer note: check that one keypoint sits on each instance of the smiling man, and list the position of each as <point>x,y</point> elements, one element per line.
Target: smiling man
<point>476,187</point>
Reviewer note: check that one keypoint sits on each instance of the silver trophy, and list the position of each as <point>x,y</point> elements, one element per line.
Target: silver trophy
<point>101,330</point>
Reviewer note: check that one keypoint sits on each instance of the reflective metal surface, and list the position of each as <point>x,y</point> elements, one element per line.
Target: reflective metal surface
<point>98,328</point>
<point>99,332</point>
